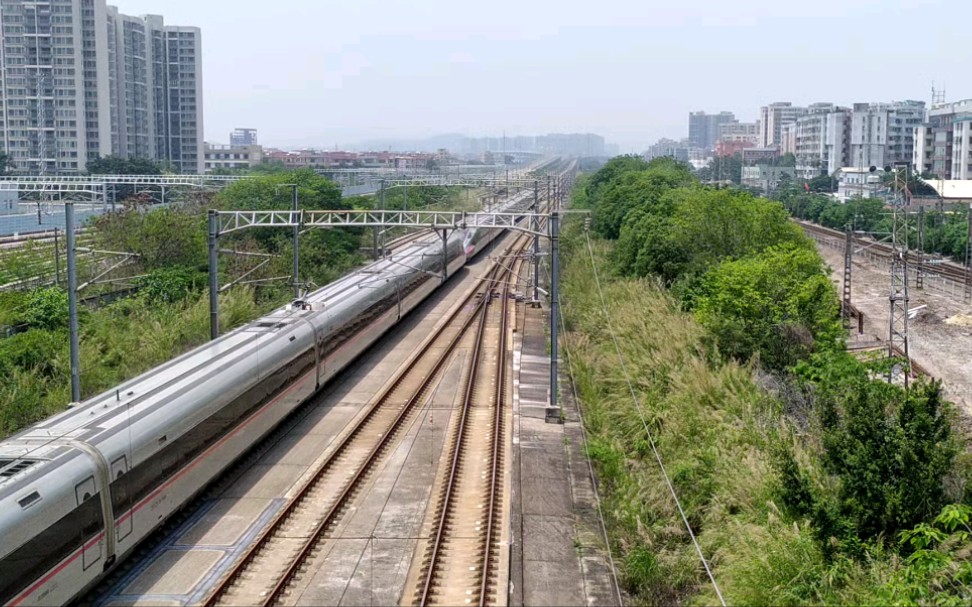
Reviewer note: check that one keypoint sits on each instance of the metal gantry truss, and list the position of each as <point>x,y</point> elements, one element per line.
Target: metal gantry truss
<point>898,320</point>
<point>233,221</point>
<point>539,225</point>
<point>166,180</point>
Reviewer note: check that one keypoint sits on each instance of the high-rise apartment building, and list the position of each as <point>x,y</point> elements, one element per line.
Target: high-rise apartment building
<point>79,79</point>
<point>704,128</point>
<point>884,133</point>
<point>943,144</point>
<point>242,137</point>
<point>821,139</point>
<point>773,117</point>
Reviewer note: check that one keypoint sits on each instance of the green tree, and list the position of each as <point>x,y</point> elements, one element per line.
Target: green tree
<point>611,170</point>
<point>170,284</point>
<point>167,236</point>
<point>823,184</point>
<point>723,168</point>
<point>778,304</point>
<point>46,309</point>
<point>116,165</point>
<point>636,189</point>
<point>6,163</point>
<point>323,252</point>
<point>887,451</point>
<point>720,224</point>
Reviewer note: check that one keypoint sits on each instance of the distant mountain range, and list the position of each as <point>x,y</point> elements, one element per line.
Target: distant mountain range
<point>580,144</point>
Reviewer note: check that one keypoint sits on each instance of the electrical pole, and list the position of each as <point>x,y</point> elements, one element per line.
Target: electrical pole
<point>919,269</point>
<point>374,232</point>
<point>296,220</point>
<point>968,259</point>
<point>536,244</point>
<point>213,274</point>
<point>553,411</point>
<point>898,320</point>
<point>72,280</point>
<point>848,257</point>
<point>57,259</point>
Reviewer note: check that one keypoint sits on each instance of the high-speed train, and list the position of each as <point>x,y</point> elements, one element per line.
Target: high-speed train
<point>79,491</point>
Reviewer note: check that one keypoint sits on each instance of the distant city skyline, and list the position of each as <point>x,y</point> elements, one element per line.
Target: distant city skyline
<point>310,73</point>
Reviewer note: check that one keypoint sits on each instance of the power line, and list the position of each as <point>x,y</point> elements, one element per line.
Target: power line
<point>644,422</point>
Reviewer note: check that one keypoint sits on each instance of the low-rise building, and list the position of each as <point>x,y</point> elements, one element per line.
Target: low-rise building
<point>766,177</point>
<point>218,156</point>
<point>241,137</point>
<point>859,182</point>
<point>679,150</point>
<point>731,148</point>
<point>753,156</point>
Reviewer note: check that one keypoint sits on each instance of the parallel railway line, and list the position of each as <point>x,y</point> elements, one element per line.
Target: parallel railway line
<point>298,532</point>
<point>947,269</point>
<point>460,560</point>
<point>288,549</point>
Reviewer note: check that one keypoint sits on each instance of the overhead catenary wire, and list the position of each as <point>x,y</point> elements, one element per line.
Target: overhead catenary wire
<point>640,409</point>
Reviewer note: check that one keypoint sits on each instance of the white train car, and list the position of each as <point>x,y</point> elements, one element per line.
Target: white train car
<point>134,455</point>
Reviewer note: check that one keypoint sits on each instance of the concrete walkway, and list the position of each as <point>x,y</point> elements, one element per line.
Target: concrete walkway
<point>558,553</point>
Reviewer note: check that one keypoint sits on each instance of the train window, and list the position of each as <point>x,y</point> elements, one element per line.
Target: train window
<point>119,467</point>
<point>49,547</point>
<point>84,490</point>
<point>29,500</point>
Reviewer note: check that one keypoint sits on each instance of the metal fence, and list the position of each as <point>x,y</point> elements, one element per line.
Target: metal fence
<point>50,217</point>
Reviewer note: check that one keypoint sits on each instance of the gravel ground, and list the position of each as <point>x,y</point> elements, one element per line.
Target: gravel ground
<point>940,337</point>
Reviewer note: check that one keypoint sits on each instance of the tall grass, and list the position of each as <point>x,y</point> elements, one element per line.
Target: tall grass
<point>117,342</point>
<point>715,429</point>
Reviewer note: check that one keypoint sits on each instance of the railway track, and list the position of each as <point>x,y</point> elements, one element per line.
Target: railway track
<point>281,553</point>
<point>459,565</point>
<point>941,267</point>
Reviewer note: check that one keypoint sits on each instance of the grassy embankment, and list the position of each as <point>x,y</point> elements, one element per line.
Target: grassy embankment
<point>806,479</point>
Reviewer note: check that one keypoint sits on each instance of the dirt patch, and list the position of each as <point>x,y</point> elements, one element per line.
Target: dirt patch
<point>939,336</point>
<point>961,320</point>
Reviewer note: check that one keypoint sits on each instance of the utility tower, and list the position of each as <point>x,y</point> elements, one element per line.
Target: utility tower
<point>920,266</point>
<point>898,329</point>
<point>845,307</point>
<point>968,260</point>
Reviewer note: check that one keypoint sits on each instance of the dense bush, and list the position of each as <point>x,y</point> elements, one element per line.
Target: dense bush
<point>641,189</point>
<point>170,284</point>
<point>887,451</point>
<point>162,237</point>
<point>46,309</point>
<point>778,304</point>
<point>691,228</point>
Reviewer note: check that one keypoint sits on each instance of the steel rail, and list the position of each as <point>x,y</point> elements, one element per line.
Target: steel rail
<point>499,398</point>
<point>280,519</point>
<point>461,437</point>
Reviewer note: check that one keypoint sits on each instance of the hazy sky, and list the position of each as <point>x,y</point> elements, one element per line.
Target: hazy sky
<point>323,72</point>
